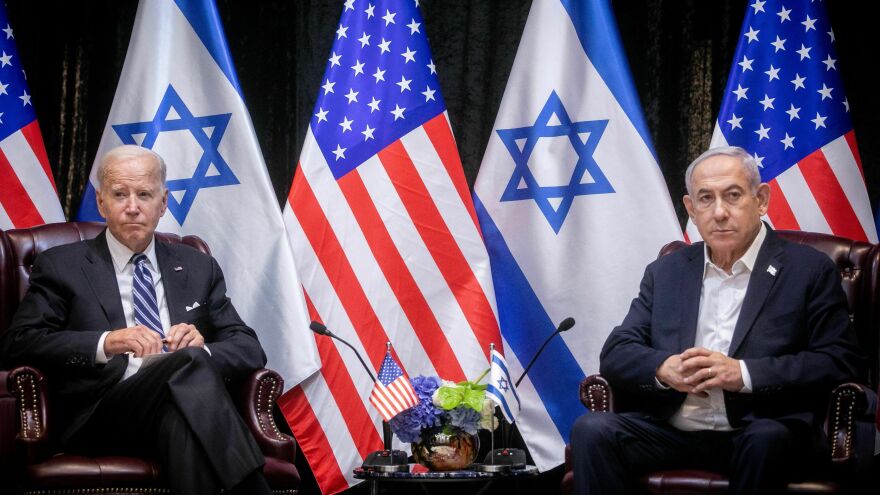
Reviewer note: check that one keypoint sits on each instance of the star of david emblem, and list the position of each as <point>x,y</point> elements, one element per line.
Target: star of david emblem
<point>553,121</point>
<point>503,385</point>
<point>184,120</point>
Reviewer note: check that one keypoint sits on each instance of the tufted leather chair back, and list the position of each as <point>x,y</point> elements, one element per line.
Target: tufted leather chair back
<point>20,247</point>
<point>859,265</point>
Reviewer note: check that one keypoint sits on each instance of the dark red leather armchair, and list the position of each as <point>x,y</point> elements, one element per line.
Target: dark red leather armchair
<point>28,458</point>
<point>850,412</point>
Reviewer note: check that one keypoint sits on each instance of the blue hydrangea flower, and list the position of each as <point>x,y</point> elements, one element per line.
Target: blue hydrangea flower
<point>465,418</point>
<point>409,424</point>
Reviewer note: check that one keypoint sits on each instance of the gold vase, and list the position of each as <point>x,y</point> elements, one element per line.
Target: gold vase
<point>446,448</point>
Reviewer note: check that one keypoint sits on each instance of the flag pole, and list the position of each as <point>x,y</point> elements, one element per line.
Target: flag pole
<point>504,459</point>
<point>492,440</point>
<point>386,426</point>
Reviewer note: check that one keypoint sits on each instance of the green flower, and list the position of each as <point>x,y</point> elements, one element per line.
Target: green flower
<point>448,397</point>
<point>468,394</point>
<point>473,395</point>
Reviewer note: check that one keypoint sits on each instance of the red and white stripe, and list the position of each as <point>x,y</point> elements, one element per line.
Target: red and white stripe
<point>393,399</point>
<point>28,195</point>
<point>825,192</point>
<point>390,252</point>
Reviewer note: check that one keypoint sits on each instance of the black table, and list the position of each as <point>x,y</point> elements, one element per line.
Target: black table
<point>434,478</point>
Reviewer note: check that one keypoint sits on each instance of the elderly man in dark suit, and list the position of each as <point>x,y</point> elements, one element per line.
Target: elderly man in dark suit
<point>728,353</point>
<point>138,339</point>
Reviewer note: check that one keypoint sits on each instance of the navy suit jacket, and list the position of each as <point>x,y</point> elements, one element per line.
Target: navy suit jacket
<point>74,297</point>
<point>793,333</point>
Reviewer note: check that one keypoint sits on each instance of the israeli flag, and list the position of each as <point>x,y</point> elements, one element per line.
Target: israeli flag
<point>572,205</point>
<point>179,96</point>
<point>501,390</point>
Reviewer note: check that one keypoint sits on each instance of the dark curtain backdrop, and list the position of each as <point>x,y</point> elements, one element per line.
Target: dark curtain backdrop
<point>679,52</point>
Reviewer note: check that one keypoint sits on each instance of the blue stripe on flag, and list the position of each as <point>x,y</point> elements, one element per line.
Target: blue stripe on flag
<point>205,21</point>
<point>877,218</point>
<point>88,209</point>
<point>525,325</point>
<point>596,27</point>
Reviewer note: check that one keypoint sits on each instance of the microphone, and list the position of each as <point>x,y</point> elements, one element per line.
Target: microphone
<point>564,325</point>
<point>386,460</point>
<point>320,329</point>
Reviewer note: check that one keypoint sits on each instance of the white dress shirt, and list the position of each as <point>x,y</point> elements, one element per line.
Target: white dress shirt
<point>721,300</point>
<point>124,269</point>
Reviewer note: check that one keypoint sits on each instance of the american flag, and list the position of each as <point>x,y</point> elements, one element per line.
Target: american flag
<point>28,196</point>
<point>392,392</point>
<point>385,234</point>
<point>784,103</point>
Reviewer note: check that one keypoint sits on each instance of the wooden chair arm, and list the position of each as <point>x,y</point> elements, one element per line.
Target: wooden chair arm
<point>596,395</point>
<point>29,387</point>
<point>847,406</point>
<point>256,404</point>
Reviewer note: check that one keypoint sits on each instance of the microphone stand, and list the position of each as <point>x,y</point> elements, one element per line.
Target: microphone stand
<point>563,326</point>
<point>387,459</point>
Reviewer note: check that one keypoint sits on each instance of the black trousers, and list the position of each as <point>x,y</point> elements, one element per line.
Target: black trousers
<point>179,412</point>
<point>611,451</point>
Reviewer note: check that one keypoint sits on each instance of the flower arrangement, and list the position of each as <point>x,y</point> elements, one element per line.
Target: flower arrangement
<point>444,403</point>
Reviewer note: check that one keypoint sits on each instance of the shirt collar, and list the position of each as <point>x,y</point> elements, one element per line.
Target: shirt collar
<point>748,259</point>
<point>121,254</point>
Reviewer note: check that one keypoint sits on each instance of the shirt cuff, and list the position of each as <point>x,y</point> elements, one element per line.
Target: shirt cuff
<point>660,384</point>
<point>747,379</point>
<point>100,356</point>
<point>205,347</point>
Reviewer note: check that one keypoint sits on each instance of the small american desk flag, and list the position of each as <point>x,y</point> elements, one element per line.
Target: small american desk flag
<point>392,394</point>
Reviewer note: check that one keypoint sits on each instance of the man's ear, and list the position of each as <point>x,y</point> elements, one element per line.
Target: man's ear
<point>164,202</point>
<point>763,195</point>
<point>688,205</point>
<point>100,203</point>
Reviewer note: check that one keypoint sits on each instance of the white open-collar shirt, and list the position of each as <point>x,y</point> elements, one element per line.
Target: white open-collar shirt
<point>721,300</point>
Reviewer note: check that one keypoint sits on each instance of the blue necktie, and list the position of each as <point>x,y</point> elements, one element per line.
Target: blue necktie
<point>146,308</point>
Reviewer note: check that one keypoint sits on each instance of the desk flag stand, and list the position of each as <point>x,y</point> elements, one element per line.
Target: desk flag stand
<point>386,460</point>
<point>502,391</point>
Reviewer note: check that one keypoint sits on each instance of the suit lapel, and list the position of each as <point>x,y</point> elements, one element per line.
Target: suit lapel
<point>174,280</point>
<point>760,284</point>
<point>691,285</point>
<point>101,275</point>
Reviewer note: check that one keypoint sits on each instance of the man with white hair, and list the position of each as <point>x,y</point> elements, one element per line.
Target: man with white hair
<point>727,356</point>
<point>96,308</point>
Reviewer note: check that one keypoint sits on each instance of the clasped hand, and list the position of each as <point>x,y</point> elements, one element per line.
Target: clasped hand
<point>698,369</point>
<point>141,341</point>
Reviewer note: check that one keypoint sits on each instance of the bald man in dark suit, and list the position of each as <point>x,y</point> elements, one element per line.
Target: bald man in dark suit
<point>727,356</point>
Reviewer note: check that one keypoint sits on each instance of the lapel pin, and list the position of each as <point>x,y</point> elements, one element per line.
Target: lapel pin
<point>771,270</point>
<point>178,268</point>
